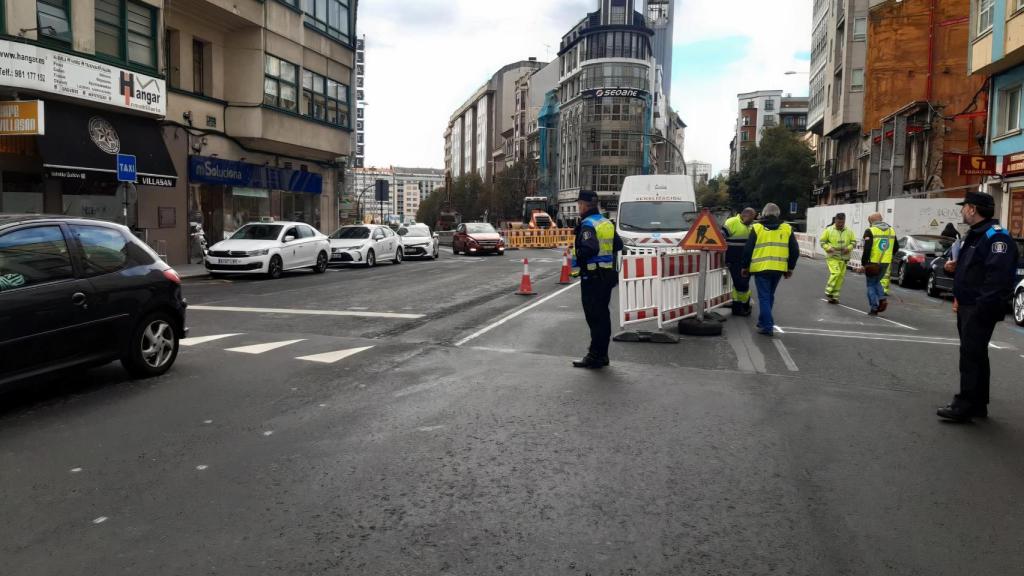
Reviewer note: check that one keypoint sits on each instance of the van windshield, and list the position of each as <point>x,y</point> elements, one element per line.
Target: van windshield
<point>654,216</point>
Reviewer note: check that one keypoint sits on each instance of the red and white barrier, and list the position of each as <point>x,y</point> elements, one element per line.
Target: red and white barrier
<point>665,286</point>
<point>639,288</point>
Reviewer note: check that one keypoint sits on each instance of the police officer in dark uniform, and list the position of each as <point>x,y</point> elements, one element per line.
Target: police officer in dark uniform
<point>985,272</point>
<point>594,252</point>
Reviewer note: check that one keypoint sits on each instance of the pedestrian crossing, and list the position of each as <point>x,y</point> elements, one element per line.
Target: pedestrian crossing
<point>329,357</point>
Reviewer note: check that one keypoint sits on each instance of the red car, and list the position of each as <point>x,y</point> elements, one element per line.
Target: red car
<point>477,238</point>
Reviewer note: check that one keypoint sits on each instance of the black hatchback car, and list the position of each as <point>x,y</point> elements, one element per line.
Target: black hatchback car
<point>939,282</point>
<point>911,263</point>
<point>79,292</point>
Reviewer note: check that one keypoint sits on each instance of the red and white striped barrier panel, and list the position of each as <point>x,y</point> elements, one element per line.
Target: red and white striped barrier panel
<point>639,288</point>
<point>665,286</point>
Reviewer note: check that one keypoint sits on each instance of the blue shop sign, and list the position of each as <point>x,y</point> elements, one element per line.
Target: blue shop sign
<point>232,173</point>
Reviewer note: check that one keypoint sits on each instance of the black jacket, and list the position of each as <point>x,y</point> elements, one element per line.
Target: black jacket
<point>771,223</point>
<point>986,268</point>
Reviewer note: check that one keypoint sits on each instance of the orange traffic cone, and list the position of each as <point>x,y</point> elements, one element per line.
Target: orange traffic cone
<point>525,287</point>
<point>566,270</point>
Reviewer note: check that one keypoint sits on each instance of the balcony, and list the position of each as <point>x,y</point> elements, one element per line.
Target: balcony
<point>845,181</point>
<point>280,132</point>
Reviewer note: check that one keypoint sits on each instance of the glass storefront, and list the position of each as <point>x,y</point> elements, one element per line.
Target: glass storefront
<point>21,193</point>
<point>224,209</point>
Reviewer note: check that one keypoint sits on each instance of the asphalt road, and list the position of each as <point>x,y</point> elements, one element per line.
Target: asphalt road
<point>423,419</point>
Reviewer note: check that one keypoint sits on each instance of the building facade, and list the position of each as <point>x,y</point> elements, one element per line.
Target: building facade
<point>996,50</point>
<point>606,104</point>
<point>699,171</point>
<point>232,114</point>
<point>661,15</point>
<point>919,108</point>
<point>359,158</point>
<point>414,185</point>
<point>477,131</point>
<point>755,112</point>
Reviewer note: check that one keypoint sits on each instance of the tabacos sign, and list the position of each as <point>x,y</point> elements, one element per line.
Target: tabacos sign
<point>147,91</point>
<point>973,165</point>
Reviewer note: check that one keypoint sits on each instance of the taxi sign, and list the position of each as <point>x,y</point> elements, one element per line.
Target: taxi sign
<point>704,234</point>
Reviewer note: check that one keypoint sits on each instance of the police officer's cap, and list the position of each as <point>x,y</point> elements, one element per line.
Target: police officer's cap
<point>587,196</point>
<point>978,199</point>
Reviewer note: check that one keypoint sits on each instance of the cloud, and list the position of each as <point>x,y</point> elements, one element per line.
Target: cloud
<point>426,57</point>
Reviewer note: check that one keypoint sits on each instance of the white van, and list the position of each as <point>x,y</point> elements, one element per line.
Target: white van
<point>651,209</point>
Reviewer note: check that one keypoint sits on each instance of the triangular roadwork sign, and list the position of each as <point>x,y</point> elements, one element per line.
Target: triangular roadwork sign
<point>705,234</point>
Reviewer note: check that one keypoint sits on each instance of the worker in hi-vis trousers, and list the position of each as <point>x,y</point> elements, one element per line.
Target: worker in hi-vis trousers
<point>736,230</point>
<point>838,242</point>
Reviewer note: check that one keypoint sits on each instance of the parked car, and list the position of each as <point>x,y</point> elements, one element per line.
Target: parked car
<point>365,244</point>
<point>939,282</point>
<point>78,292</point>
<point>419,242</point>
<point>911,263</point>
<point>269,248</point>
<point>477,238</point>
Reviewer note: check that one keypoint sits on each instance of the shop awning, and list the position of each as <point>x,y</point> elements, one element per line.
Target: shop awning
<point>82,143</point>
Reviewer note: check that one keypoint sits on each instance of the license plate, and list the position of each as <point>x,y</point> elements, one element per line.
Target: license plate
<point>229,261</point>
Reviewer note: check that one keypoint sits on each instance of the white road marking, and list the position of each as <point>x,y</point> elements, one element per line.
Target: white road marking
<point>202,467</point>
<point>879,317</point>
<point>515,314</point>
<point>357,313</point>
<point>204,339</point>
<point>207,421</point>
<point>785,356</point>
<point>268,433</point>
<point>358,308</point>
<point>873,336</point>
<point>323,405</point>
<point>332,357</point>
<point>779,330</point>
<point>994,345</point>
<point>501,350</point>
<point>100,520</point>
<point>429,428</point>
<point>76,470</point>
<point>261,348</point>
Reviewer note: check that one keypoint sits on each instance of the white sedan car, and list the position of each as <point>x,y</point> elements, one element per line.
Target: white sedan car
<point>365,244</point>
<point>419,242</point>
<point>269,248</point>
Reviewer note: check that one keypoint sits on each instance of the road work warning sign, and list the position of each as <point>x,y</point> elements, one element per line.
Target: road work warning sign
<point>705,234</point>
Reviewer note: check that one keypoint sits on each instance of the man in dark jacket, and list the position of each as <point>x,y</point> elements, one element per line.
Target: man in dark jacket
<point>985,272</point>
<point>770,255</point>
<point>594,258</point>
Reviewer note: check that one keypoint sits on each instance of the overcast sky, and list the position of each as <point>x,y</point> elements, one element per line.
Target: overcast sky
<point>426,57</point>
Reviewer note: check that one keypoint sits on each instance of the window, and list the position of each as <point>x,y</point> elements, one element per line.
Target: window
<point>857,80</point>
<point>107,250</point>
<point>172,57</point>
<point>1009,110</point>
<point>860,28</point>
<point>280,84</point>
<point>52,19</point>
<point>324,99</point>
<point>769,104</point>
<point>126,31</point>
<point>328,16</point>
<point>984,18</point>
<point>33,256</point>
<point>618,15</point>
<point>744,136</point>
<point>200,56</point>
<point>1018,5</point>
<point>306,232</point>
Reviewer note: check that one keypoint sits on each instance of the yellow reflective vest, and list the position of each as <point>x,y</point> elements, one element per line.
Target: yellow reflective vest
<point>771,251</point>
<point>838,240</point>
<point>883,240</point>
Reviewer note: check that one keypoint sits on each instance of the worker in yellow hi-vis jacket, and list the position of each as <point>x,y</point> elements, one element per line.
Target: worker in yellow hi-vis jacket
<point>838,242</point>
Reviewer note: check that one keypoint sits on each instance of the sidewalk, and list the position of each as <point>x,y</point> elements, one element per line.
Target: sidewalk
<point>191,270</point>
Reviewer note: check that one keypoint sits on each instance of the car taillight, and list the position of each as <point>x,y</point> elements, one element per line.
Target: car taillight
<point>916,259</point>
<point>171,275</point>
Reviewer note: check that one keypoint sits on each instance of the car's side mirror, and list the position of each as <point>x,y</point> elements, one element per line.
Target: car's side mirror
<point>289,239</point>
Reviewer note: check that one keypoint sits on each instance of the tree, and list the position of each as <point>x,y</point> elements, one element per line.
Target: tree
<point>430,207</point>
<point>712,194</point>
<point>780,170</point>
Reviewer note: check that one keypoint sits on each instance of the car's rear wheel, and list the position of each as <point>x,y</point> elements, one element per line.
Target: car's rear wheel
<point>153,346</point>
<point>1018,307</point>
<point>932,288</point>
<point>398,256</point>
<point>901,277</point>
<point>321,263</point>
<point>371,260</point>
<point>275,267</point>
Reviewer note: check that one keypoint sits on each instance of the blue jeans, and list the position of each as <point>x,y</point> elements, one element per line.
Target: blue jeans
<point>875,291</point>
<point>766,283</point>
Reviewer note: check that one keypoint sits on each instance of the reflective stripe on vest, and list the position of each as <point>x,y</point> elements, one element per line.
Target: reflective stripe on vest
<point>737,232</point>
<point>605,232</point>
<point>771,252</point>
<point>881,245</point>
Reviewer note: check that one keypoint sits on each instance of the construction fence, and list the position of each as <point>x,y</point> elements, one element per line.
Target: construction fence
<point>538,238</point>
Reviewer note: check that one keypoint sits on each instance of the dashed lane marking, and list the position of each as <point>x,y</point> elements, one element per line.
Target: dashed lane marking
<point>100,520</point>
<point>204,339</point>
<point>785,356</point>
<point>879,317</point>
<point>261,348</point>
<point>357,313</point>
<point>332,357</point>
